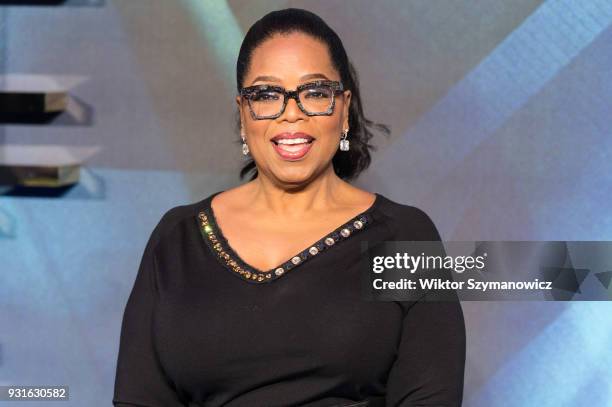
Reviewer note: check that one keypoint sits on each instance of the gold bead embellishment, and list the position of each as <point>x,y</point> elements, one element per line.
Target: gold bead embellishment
<point>218,244</point>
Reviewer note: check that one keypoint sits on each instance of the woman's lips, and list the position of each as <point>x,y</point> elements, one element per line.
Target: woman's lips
<point>292,152</point>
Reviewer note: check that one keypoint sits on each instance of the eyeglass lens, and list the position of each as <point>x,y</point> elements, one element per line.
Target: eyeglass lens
<point>270,102</point>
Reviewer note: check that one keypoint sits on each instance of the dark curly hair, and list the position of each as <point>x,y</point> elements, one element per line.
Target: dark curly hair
<point>347,164</point>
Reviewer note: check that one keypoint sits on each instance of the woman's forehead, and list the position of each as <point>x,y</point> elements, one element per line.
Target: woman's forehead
<point>290,58</point>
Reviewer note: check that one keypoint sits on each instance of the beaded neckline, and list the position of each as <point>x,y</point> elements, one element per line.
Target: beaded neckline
<point>217,242</point>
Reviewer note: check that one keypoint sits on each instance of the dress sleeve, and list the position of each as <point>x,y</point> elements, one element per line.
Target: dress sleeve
<point>139,379</point>
<point>429,366</point>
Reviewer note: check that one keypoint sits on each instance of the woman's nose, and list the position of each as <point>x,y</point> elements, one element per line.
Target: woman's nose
<point>292,111</point>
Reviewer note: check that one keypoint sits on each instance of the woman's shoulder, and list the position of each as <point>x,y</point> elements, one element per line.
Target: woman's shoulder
<point>177,215</point>
<point>408,221</point>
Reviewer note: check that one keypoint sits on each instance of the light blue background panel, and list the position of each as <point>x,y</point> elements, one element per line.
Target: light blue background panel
<point>500,116</point>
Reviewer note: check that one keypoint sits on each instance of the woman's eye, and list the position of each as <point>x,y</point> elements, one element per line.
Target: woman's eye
<point>263,96</point>
<point>317,94</point>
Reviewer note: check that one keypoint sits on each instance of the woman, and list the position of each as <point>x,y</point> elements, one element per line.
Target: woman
<point>251,297</point>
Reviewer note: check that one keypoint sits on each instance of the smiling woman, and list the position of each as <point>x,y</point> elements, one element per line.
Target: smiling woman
<point>252,296</point>
<point>292,48</point>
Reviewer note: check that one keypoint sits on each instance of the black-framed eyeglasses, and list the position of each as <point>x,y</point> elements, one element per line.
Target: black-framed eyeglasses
<point>313,98</point>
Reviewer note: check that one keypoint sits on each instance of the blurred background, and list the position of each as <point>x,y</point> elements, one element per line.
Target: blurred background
<point>500,113</point>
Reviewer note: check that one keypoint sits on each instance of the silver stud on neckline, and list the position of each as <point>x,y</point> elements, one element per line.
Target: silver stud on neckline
<point>208,231</point>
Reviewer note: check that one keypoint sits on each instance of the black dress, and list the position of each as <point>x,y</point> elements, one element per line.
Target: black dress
<point>203,328</point>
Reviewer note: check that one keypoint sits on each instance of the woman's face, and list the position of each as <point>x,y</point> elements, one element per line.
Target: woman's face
<point>289,61</point>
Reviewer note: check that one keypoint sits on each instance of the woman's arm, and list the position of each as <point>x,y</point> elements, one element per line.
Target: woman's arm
<point>430,363</point>
<point>140,380</point>
<point>429,367</point>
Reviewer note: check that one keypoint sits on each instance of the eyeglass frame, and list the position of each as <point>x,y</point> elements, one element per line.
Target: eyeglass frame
<point>249,91</point>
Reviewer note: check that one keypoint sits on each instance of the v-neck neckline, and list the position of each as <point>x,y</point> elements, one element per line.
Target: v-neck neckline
<point>218,243</point>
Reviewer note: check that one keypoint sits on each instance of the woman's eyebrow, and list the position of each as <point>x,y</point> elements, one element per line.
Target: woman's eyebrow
<point>314,76</point>
<point>265,78</point>
<point>268,78</point>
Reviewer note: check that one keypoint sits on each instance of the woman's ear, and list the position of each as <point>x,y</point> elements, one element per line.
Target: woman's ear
<point>239,104</point>
<point>346,110</point>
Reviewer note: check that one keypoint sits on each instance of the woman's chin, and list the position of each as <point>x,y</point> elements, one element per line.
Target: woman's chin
<point>293,175</point>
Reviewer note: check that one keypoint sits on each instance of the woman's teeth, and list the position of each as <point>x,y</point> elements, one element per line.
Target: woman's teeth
<point>293,145</point>
<point>293,149</point>
<point>293,141</point>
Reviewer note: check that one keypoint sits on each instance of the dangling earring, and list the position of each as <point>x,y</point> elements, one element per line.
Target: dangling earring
<point>245,147</point>
<point>344,143</point>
